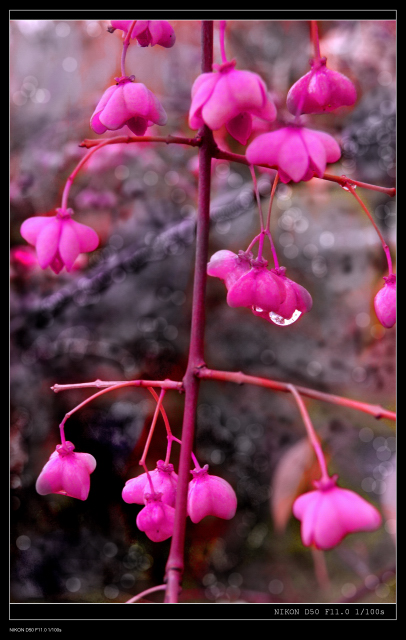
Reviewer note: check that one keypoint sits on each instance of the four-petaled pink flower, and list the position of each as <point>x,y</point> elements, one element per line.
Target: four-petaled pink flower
<point>59,239</point>
<point>210,496</point>
<point>66,472</point>
<point>163,479</point>
<point>148,32</point>
<point>127,103</point>
<point>269,293</point>
<point>385,302</point>
<point>230,97</point>
<point>156,519</point>
<point>295,151</point>
<point>320,91</point>
<point>330,513</point>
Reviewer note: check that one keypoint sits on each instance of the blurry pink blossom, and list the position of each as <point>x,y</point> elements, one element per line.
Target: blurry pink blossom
<point>210,496</point>
<point>67,473</point>
<point>164,481</point>
<point>330,513</point>
<point>230,97</point>
<point>295,151</point>
<point>156,518</point>
<point>59,239</point>
<point>148,32</point>
<point>321,90</point>
<point>385,302</point>
<point>127,103</point>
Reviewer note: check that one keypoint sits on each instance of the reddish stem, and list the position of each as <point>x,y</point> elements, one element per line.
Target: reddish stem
<point>315,38</point>
<point>175,563</point>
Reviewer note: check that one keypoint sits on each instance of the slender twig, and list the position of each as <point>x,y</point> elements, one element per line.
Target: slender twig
<point>152,427</point>
<point>315,38</point>
<point>191,142</point>
<point>101,384</point>
<point>160,587</point>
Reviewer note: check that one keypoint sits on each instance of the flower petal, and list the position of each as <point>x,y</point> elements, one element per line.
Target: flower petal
<point>87,237</point>
<point>293,157</point>
<point>240,127</point>
<point>48,241</point>
<point>32,227</point>
<point>69,245</point>
<point>115,113</point>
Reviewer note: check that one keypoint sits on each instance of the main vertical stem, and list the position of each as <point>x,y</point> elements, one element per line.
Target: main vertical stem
<point>175,563</point>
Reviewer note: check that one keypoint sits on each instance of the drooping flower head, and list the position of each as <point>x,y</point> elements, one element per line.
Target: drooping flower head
<point>330,513</point>
<point>148,32</point>
<point>320,91</point>
<point>230,97</point>
<point>295,151</point>
<point>156,518</point>
<point>59,239</point>
<point>163,479</point>
<point>66,472</point>
<point>267,292</point>
<point>127,103</point>
<point>210,496</point>
<point>385,302</point>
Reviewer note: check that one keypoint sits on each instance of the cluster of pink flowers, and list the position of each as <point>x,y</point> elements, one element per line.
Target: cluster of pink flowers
<point>68,473</point>
<point>268,292</point>
<point>148,32</point>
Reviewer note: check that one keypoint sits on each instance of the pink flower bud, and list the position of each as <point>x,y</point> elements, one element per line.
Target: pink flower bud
<point>320,91</point>
<point>330,513</point>
<point>58,240</point>
<point>156,518</point>
<point>257,288</point>
<point>385,302</point>
<point>148,32</point>
<point>295,151</point>
<point>230,97</point>
<point>210,496</point>
<point>164,481</point>
<point>67,473</point>
<point>127,103</point>
<point>229,266</point>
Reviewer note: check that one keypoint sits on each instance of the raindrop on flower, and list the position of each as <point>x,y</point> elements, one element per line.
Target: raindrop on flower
<point>283,322</point>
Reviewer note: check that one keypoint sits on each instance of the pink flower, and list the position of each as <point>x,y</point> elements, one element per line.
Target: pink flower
<point>127,103</point>
<point>295,151</point>
<point>330,513</point>
<point>58,240</point>
<point>210,496</point>
<point>66,473</point>
<point>385,302</point>
<point>321,90</point>
<point>164,481</point>
<point>269,293</point>
<point>148,32</point>
<point>230,97</point>
<point>156,518</point>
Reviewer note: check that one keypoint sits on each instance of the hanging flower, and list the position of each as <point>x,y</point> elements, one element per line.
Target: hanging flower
<point>67,473</point>
<point>163,479</point>
<point>297,152</point>
<point>229,266</point>
<point>127,103</point>
<point>320,91</point>
<point>148,32</point>
<point>330,513</point>
<point>385,302</point>
<point>156,518</point>
<point>59,239</point>
<point>210,496</point>
<point>230,97</point>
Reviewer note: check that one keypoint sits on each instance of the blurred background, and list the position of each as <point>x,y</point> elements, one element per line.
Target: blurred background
<point>124,311</point>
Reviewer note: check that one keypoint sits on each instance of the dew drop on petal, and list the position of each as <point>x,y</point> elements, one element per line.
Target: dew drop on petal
<point>258,309</point>
<point>283,322</point>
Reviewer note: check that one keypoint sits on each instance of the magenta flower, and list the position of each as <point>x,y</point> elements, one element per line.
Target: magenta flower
<point>67,473</point>
<point>210,496</point>
<point>330,513</point>
<point>127,103</point>
<point>320,91</point>
<point>295,151</point>
<point>156,518</point>
<point>59,239</point>
<point>230,97</point>
<point>229,266</point>
<point>385,302</point>
<point>164,481</point>
<point>148,32</point>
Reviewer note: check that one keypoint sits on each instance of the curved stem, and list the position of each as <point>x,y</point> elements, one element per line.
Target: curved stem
<point>160,587</point>
<point>152,427</point>
<point>76,171</point>
<point>311,432</point>
<point>268,221</point>
<point>254,180</point>
<point>126,44</point>
<point>223,24</point>
<point>384,245</point>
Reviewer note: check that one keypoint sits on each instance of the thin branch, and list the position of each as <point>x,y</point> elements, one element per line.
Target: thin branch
<point>101,384</point>
<point>160,587</point>
<point>240,378</point>
<point>191,142</point>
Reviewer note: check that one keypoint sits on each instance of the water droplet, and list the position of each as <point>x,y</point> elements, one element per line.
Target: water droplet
<point>283,322</point>
<point>258,309</point>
